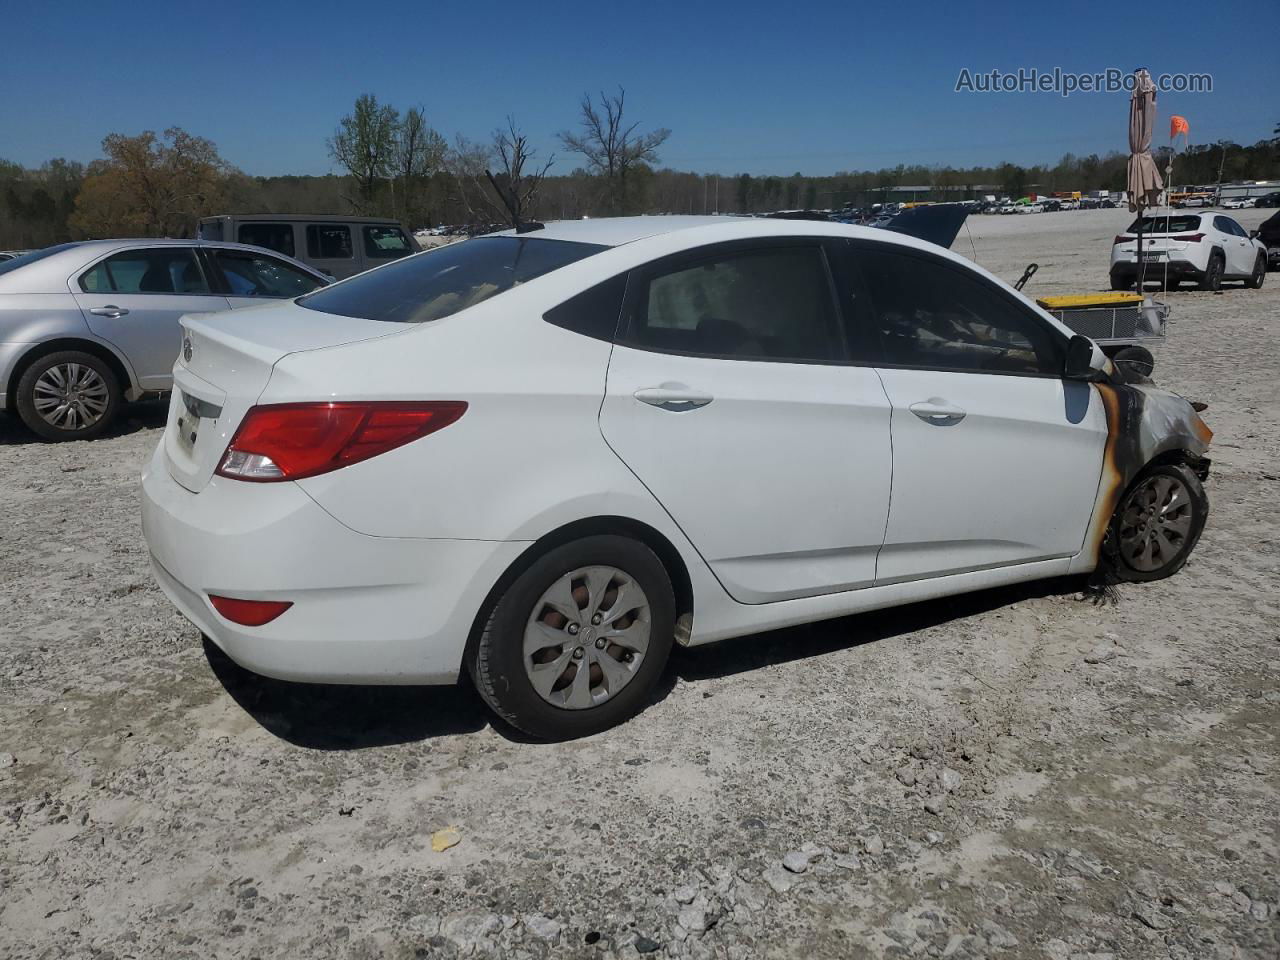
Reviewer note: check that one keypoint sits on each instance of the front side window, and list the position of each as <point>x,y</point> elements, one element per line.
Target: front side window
<point>165,270</point>
<point>329,241</point>
<point>273,236</point>
<point>447,280</point>
<point>756,304</point>
<point>254,275</point>
<point>937,316</point>
<point>386,243</point>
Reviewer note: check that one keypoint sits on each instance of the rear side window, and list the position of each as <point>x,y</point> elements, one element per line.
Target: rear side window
<point>594,312</point>
<point>255,275</point>
<point>273,236</point>
<point>447,280</point>
<point>934,316</point>
<point>171,270</point>
<point>761,304</point>
<point>386,243</point>
<point>329,241</point>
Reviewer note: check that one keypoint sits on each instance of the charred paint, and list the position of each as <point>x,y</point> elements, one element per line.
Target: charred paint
<point>1143,424</point>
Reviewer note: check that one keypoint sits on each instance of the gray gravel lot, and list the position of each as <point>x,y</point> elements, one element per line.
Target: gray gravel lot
<point>1018,773</point>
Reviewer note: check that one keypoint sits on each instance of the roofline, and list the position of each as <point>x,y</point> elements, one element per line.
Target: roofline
<point>319,217</point>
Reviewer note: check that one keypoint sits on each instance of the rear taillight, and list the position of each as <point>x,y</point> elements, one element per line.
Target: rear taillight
<point>1120,238</point>
<point>249,613</point>
<point>289,441</point>
<point>1188,237</point>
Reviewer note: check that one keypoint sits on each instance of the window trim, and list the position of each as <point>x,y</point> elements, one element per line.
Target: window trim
<point>639,278</point>
<point>327,225</point>
<point>902,250</point>
<point>210,290</point>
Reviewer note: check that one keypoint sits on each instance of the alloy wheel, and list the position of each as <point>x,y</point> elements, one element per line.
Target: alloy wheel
<point>70,396</point>
<point>586,637</point>
<point>1155,523</point>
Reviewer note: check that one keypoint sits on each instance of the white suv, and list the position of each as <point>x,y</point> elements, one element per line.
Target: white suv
<point>1205,247</point>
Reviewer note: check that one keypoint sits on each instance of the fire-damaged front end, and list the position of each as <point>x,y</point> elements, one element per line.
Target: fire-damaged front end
<point>1146,427</point>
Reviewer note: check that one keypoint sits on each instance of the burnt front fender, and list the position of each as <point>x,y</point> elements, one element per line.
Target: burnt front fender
<point>1144,424</point>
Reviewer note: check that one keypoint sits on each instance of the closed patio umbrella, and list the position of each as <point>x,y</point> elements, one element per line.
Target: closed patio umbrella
<point>1143,181</point>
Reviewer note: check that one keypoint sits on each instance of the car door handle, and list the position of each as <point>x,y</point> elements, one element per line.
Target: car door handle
<point>109,311</point>
<point>938,412</point>
<point>673,397</point>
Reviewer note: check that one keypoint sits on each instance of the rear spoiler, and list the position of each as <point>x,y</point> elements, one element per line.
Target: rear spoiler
<point>938,223</point>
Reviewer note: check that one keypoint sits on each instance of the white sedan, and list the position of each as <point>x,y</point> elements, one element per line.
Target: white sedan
<point>545,457</point>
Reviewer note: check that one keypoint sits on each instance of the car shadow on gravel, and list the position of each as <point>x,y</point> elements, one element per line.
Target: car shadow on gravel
<point>339,717</point>
<point>818,639</point>
<point>144,415</point>
<point>322,716</point>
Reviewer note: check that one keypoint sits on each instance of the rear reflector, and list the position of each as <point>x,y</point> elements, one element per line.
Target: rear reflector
<point>249,613</point>
<point>289,441</point>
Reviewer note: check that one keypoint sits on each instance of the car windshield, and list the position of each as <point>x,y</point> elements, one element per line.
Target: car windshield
<point>8,266</point>
<point>1170,224</point>
<point>433,285</point>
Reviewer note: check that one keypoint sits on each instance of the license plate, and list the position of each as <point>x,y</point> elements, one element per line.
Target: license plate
<point>188,424</point>
<point>1159,255</point>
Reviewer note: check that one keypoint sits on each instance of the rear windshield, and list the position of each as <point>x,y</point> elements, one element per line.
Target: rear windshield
<point>8,266</point>
<point>1179,224</point>
<point>445,281</point>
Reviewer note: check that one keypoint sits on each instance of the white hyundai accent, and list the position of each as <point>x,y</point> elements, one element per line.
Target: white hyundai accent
<point>544,457</point>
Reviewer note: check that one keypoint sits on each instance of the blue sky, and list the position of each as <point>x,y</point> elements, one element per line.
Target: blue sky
<point>763,88</point>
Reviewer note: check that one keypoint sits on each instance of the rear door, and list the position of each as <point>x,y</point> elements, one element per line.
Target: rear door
<point>996,459</point>
<point>731,397</point>
<point>133,299</point>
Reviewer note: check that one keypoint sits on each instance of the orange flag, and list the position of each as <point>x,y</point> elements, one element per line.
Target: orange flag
<point>1178,125</point>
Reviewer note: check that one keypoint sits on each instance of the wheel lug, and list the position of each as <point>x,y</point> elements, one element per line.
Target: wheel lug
<point>595,621</point>
<point>578,653</point>
<point>573,629</point>
<point>600,642</point>
<point>628,657</point>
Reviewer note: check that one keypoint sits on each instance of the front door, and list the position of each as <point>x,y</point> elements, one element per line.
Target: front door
<point>731,399</point>
<point>134,298</point>
<point>996,459</point>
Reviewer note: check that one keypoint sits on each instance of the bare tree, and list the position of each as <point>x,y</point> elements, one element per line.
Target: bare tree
<point>497,182</point>
<point>365,143</point>
<point>418,152</point>
<point>611,149</point>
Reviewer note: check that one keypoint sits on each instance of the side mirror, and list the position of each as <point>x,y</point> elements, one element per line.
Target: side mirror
<point>1085,360</point>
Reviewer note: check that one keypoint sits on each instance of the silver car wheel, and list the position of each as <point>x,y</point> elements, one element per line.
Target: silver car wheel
<point>1155,523</point>
<point>586,637</point>
<point>70,396</point>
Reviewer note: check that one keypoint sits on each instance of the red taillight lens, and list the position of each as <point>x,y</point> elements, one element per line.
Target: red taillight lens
<point>1120,238</point>
<point>289,441</point>
<point>249,613</point>
<point>1188,237</point>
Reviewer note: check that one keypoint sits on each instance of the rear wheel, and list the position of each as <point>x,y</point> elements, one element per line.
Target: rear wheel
<point>1158,523</point>
<point>577,641</point>
<point>69,395</point>
<point>1259,275</point>
<point>1212,278</point>
<point>1120,283</point>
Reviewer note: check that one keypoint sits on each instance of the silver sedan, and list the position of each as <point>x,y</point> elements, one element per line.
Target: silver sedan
<point>85,327</point>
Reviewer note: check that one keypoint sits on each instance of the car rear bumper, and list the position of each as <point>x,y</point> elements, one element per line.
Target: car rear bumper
<point>1155,269</point>
<point>365,609</point>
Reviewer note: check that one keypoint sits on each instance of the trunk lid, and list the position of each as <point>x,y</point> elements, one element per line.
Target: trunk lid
<point>225,363</point>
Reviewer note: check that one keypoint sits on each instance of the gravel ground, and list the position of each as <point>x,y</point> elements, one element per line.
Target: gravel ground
<point>1017,773</point>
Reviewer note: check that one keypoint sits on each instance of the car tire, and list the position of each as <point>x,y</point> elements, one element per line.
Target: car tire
<point>1212,279</point>
<point>1136,359</point>
<point>1157,524</point>
<point>87,381</point>
<point>574,695</point>
<point>1120,283</point>
<point>1259,276</point>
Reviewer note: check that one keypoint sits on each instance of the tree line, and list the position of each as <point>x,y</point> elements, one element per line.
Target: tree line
<point>395,164</point>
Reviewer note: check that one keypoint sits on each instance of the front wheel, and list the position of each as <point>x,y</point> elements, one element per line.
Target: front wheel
<point>577,641</point>
<point>69,395</point>
<point>1158,523</point>
<point>1259,275</point>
